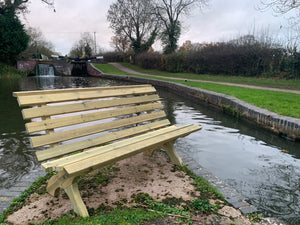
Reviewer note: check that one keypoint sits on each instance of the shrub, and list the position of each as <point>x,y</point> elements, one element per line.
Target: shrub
<point>151,60</point>
<point>241,57</point>
<point>114,57</point>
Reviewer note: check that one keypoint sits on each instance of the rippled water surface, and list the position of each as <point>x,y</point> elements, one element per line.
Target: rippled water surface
<point>263,167</point>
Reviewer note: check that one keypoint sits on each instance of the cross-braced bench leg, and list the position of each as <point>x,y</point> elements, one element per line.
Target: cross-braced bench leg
<point>171,152</point>
<point>69,184</point>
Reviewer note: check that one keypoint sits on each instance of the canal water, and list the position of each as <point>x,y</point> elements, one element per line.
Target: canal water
<point>260,165</point>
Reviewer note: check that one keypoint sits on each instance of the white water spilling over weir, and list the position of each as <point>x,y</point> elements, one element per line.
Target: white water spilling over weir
<point>45,75</point>
<point>45,70</point>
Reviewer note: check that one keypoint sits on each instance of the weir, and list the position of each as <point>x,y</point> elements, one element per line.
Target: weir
<point>45,70</point>
<point>62,67</point>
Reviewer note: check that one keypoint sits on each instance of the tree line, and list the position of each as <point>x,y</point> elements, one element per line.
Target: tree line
<point>137,24</point>
<point>243,56</point>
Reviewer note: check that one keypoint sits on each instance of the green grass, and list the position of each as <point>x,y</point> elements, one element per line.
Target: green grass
<point>145,211</point>
<point>287,104</point>
<point>10,71</point>
<point>203,186</point>
<point>124,216</point>
<point>110,69</point>
<point>264,82</point>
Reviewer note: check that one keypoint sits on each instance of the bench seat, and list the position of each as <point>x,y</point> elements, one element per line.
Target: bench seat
<point>83,129</point>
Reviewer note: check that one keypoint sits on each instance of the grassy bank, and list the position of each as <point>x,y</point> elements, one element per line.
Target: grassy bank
<point>145,209</point>
<point>10,71</point>
<point>286,104</point>
<point>263,82</point>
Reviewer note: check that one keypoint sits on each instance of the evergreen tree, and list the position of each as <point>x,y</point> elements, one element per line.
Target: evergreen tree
<point>13,38</point>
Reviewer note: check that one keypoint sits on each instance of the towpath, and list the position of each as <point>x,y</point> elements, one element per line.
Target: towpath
<point>130,71</point>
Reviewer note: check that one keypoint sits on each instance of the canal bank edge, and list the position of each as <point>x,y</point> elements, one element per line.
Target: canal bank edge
<point>285,126</point>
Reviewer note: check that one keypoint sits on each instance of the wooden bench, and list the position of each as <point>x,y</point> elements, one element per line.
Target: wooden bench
<point>84,120</point>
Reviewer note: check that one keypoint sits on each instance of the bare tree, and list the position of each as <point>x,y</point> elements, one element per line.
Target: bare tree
<point>120,43</point>
<point>283,7</point>
<point>37,44</point>
<point>169,12</point>
<point>291,10</point>
<point>83,46</point>
<point>136,20</point>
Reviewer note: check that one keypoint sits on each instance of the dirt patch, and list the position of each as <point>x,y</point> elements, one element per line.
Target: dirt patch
<point>117,184</point>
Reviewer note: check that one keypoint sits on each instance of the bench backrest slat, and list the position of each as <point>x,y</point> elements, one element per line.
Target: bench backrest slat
<point>42,92</point>
<point>88,117</point>
<point>36,112</point>
<point>75,95</point>
<point>82,118</point>
<point>84,131</point>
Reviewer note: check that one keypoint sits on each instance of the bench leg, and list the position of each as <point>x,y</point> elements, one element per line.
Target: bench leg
<point>170,150</point>
<point>76,200</point>
<point>69,184</point>
<point>54,184</point>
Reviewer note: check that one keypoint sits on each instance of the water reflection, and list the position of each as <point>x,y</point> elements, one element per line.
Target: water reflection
<point>15,154</point>
<point>262,166</point>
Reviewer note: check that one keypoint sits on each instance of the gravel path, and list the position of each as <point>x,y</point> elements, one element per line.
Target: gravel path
<point>127,70</point>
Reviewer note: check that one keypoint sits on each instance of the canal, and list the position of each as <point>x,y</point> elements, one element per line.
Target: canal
<point>260,165</point>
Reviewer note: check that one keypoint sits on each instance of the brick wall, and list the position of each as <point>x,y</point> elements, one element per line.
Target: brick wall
<point>93,71</point>
<point>26,65</point>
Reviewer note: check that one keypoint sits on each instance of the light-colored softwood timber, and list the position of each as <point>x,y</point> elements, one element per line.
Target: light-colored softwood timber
<point>102,125</point>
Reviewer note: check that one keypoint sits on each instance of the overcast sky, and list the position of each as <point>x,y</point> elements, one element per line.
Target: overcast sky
<point>221,20</point>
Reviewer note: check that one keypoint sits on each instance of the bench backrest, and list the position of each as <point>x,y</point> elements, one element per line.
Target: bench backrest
<point>75,119</point>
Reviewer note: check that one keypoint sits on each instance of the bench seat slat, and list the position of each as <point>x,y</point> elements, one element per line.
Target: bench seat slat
<point>129,150</point>
<point>44,111</point>
<point>101,150</point>
<point>92,142</point>
<point>52,123</point>
<point>84,131</point>
<point>31,100</point>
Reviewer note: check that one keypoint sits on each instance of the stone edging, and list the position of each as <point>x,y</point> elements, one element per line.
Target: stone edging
<point>285,126</point>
